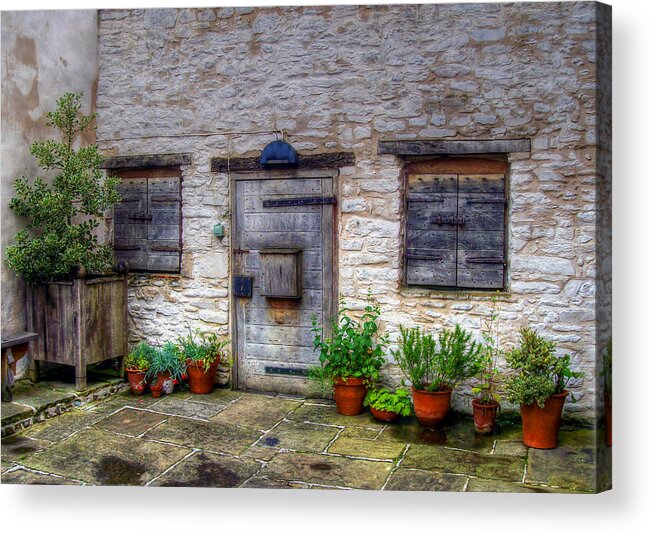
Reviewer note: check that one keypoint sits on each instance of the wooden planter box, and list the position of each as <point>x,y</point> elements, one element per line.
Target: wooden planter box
<point>79,322</point>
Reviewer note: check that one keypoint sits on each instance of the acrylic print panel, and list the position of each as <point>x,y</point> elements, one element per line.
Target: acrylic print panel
<point>442,318</point>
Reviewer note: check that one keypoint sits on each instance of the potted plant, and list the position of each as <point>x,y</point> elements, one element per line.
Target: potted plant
<point>351,356</point>
<point>58,253</point>
<point>538,384</point>
<point>136,364</point>
<point>166,366</point>
<point>386,405</point>
<point>607,374</point>
<point>435,368</point>
<point>202,357</point>
<point>487,401</point>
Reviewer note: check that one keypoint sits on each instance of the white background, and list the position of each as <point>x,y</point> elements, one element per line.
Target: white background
<point>626,508</point>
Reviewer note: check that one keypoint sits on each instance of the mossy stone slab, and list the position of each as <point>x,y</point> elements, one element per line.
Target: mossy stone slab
<point>118,401</point>
<point>208,436</point>
<point>39,396</point>
<point>132,422</point>
<point>219,396</point>
<point>27,477</point>
<point>373,449</point>
<point>511,447</point>
<point>300,436</point>
<point>263,482</point>
<point>491,485</point>
<point>13,412</point>
<point>566,467</point>
<point>102,458</point>
<point>328,470</point>
<point>421,480</point>
<point>447,460</point>
<point>204,469</point>
<point>64,425</point>
<point>360,433</point>
<point>16,447</point>
<point>177,407</point>
<point>327,414</point>
<point>256,411</point>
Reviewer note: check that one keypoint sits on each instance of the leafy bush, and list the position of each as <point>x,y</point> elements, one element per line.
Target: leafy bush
<point>63,216</point>
<point>354,349</point>
<point>385,400</point>
<point>202,349</point>
<point>488,378</point>
<point>168,358</point>
<point>140,358</point>
<point>538,372</point>
<point>607,368</point>
<point>433,365</point>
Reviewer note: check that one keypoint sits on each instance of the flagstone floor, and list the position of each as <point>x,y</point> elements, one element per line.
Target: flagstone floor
<point>237,439</point>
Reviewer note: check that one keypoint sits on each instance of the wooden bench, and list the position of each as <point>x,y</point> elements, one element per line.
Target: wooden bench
<point>14,348</point>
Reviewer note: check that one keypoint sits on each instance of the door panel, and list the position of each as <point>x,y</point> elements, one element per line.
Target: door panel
<point>274,333</point>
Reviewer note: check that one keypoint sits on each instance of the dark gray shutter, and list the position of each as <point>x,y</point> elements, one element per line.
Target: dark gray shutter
<point>164,228</point>
<point>431,233</point>
<point>130,223</point>
<point>481,244</point>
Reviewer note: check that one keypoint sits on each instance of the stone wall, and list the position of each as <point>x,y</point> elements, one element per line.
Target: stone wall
<point>44,55</point>
<point>340,79</point>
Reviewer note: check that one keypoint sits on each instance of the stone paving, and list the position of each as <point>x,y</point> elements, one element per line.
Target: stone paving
<point>238,439</point>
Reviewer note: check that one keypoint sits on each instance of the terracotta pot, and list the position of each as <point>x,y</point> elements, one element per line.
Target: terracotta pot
<point>200,380</point>
<point>156,385</point>
<point>431,408</point>
<point>484,415</point>
<point>540,425</point>
<point>608,412</point>
<point>136,381</point>
<point>384,416</point>
<point>349,395</point>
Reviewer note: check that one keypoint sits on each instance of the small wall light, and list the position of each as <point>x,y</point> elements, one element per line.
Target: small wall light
<point>279,153</point>
<point>218,230</point>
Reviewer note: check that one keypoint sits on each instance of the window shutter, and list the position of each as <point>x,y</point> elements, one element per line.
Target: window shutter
<point>482,209</point>
<point>130,223</point>
<point>164,229</point>
<point>431,236</point>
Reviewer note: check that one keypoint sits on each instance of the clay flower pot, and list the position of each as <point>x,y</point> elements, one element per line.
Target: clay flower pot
<point>431,408</point>
<point>200,380</point>
<point>349,395</point>
<point>540,425</point>
<point>157,384</point>
<point>484,416</point>
<point>384,416</point>
<point>136,381</point>
<point>608,413</point>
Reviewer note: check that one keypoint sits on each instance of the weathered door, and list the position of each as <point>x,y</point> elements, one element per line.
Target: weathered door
<point>283,243</point>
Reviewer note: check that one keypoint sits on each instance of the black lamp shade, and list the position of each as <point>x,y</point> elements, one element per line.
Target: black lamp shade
<point>279,153</point>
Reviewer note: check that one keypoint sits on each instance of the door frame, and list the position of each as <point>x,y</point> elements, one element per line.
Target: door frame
<point>330,256</point>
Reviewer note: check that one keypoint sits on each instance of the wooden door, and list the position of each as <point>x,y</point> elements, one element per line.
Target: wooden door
<point>283,240</point>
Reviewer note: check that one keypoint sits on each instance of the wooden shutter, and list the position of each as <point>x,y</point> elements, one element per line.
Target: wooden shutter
<point>456,211</point>
<point>148,220</point>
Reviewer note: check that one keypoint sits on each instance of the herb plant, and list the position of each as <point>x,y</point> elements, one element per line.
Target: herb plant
<point>63,216</point>
<point>385,400</point>
<point>140,357</point>
<point>538,372</point>
<point>355,348</point>
<point>486,387</point>
<point>168,358</point>
<point>437,364</point>
<point>201,349</point>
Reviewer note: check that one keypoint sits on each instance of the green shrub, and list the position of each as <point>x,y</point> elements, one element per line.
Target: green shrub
<point>140,357</point>
<point>202,348</point>
<point>64,215</point>
<point>385,400</point>
<point>168,358</point>
<point>487,386</point>
<point>435,365</point>
<point>354,349</point>
<point>607,368</point>
<point>538,372</point>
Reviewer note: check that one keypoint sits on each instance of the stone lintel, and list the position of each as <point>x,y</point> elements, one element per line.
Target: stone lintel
<point>434,147</point>
<point>146,160</point>
<point>305,162</point>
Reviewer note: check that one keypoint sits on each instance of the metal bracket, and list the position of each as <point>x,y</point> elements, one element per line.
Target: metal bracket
<point>306,200</point>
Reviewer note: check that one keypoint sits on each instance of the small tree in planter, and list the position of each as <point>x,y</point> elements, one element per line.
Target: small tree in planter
<point>435,368</point>
<point>487,400</point>
<point>59,244</point>
<point>202,354</point>
<point>538,385</point>
<point>351,357</point>
<point>136,364</point>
